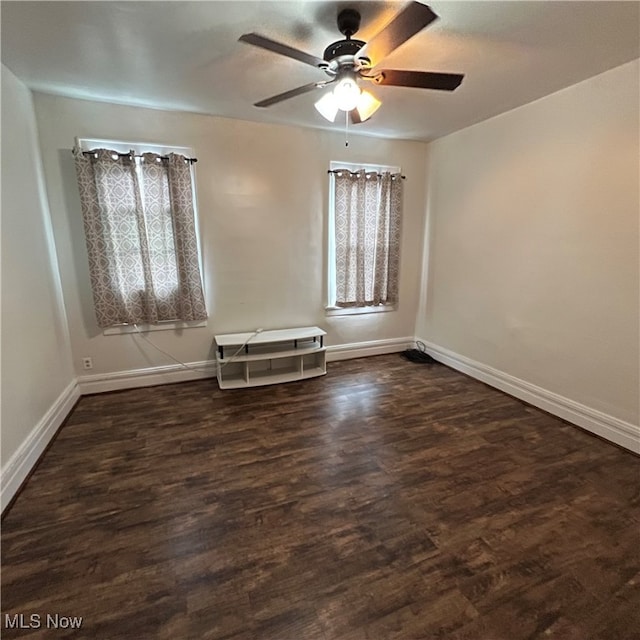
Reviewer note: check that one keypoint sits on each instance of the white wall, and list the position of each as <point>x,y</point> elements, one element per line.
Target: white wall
<point>36,357</point>
<point>533,243</point>
<point>262,192</point>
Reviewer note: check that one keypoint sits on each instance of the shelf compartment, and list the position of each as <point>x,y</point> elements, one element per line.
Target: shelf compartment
<point>314,372</point>
<point>233,382</point>
<point>314,360</point>
<point>276,366</point>
<point>264,377</point>
<point>232,374</point>
<point>264,353</point>
<point>269,337</point>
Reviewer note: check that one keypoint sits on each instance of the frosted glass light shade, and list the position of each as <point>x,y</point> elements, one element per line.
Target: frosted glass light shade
<point>347,94</point>
<point>327,106</point>
<point>367,105</point>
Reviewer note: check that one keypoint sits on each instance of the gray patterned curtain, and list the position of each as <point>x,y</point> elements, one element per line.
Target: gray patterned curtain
<point>367,238</point>
<point>141,240</point>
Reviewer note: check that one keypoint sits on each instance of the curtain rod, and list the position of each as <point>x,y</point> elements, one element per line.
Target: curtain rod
<point>356,173</point>
<point>136,155</point>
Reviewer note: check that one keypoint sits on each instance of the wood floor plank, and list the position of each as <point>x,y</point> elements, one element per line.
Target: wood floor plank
<point>385,500</point>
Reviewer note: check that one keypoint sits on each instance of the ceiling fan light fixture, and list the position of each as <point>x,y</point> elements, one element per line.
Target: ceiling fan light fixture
<point>347,93</point>
<point>367,105</point>
<point>327,106</point>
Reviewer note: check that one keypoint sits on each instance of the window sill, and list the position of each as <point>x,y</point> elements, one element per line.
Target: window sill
<point>357,311</point>
<point>163,326</point>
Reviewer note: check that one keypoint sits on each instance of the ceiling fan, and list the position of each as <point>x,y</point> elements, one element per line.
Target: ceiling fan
<point>347,61</point>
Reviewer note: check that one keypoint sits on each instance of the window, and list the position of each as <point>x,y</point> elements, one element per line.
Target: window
<point>365,203</point>
<point>139,218</point>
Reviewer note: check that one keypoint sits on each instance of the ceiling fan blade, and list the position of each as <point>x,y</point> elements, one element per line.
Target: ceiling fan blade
<point>405,25</point>
<point>292,93</point>
<point>283,49</point>
<point>354,116</point>
<point>419,79</point>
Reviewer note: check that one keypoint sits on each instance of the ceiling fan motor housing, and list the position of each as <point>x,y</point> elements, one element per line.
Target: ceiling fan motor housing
<point>348,22</point>
<point>342,48</point>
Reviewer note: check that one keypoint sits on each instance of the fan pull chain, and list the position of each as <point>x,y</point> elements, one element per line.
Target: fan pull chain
<point>346,128</point>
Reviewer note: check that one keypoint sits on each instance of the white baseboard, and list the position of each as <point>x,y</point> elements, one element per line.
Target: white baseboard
<point>24,459</point>
<point>622,433</point>
<point>101,382</point>
<point>368,348</point>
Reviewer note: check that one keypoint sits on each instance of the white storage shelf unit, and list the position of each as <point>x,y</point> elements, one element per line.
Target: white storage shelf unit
<point>253,359</point>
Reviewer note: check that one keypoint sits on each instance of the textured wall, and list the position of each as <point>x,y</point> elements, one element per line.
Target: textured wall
<point>36,358</point>
<point>533,243</point>
<point>262,192</point>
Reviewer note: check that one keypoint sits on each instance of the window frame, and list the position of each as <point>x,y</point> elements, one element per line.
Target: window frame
<point>121,146</point>
<point>331,309</point>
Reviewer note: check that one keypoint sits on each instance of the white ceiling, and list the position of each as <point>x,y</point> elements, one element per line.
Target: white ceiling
<point>185,55</point>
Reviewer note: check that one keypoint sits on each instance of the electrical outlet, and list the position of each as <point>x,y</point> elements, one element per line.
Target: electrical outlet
<point>87,363</point>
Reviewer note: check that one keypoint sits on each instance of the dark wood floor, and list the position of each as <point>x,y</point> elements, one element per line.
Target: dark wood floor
<point>386,500</point>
